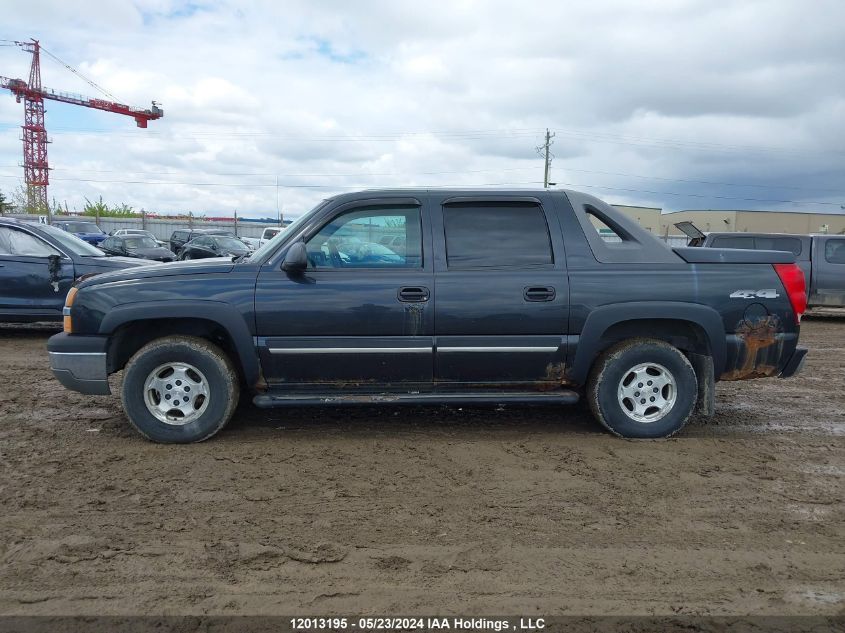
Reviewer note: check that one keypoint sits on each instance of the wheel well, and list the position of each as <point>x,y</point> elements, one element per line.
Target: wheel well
<point>687,336</point>
<point>131,337</point>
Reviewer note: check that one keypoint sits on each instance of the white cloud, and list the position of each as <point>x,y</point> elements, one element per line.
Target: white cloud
<point>381,93</point>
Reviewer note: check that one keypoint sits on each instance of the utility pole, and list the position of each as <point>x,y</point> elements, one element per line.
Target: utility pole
<point>545,151</point>
<point>278,207</point>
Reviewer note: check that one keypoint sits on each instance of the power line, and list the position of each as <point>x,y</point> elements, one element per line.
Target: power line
<point>707,182</point>
<point>267,174</point>
<point>286,185</point>
<point>697,195</point>
<point>436,173</point>
<point>513,133</point>
<point>485,184</point>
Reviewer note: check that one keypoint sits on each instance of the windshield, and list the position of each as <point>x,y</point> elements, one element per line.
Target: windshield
<point>231,243</point>
<point>134,243</point>
<point>70,242</point>
<point>83,227</point>
<point>292,228</point>
<point>138,232</point>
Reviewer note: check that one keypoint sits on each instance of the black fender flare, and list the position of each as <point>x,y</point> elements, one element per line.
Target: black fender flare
<point>603,317</point>
<point>223,314</point>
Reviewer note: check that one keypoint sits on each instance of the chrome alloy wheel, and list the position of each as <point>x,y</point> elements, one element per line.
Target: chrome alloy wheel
<point>647,392</point>
<point>176,393</point>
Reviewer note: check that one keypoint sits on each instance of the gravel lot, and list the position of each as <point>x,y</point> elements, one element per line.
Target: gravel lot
<point>420,510</point>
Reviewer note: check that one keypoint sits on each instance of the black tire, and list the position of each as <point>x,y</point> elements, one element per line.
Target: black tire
<point>215,366</point>
<point>616,413</point>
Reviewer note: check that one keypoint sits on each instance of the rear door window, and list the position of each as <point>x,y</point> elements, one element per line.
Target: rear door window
<point>788,244</point>
<point>496,235</point>
<point>834,251</point>
<point>733,241</point>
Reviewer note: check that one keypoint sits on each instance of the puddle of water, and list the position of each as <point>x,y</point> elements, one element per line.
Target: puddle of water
<point>815,596</point>
<point>810,513</point>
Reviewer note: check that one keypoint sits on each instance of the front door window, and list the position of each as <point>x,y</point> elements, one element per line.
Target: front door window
<point>369,238</point>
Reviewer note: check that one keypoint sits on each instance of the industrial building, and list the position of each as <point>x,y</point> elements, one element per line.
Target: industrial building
<point>647,217</point>
<point>744,220</point>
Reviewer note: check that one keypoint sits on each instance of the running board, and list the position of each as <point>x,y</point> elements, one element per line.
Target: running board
<point>270,400</point>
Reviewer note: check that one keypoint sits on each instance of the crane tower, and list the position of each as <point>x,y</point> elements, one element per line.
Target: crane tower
<point>36,168</point>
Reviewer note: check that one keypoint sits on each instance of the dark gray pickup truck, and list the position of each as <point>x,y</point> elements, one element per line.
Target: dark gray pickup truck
<point>417,296</point>
<point>820,257</point>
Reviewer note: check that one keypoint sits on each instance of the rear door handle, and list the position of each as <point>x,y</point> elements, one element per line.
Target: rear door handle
<point>538,293</point>
<point>413,294</point>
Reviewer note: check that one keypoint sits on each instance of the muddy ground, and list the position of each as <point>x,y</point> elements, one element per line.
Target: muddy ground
<point>425,510</point>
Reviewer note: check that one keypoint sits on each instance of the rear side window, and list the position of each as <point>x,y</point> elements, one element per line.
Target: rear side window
<point>733,242</point>
<point>834,251</point>
<point>496,235</point>
<point>788,244</point>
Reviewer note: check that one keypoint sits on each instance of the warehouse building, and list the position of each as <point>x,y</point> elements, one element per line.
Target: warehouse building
<point>647,217</point>
<point>749,221</point>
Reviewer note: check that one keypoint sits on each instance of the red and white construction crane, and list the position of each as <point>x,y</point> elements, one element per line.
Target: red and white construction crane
<point>36,168</point>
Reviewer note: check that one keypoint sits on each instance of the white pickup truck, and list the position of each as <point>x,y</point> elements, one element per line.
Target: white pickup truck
<point>267,234</point>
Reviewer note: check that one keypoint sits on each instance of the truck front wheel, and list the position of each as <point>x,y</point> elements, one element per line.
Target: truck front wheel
<point>642,388</point>
<point>179,389</point>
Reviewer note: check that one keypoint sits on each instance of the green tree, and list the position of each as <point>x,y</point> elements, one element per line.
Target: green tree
<point>98,208</point>
<point>103,210</point>
<point>5,205</point>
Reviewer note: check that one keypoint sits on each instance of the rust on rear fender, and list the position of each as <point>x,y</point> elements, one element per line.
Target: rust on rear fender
<point>760,350</point>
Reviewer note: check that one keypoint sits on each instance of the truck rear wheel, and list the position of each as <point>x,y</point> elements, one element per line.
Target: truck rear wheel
<point>179,389</point>
<point>642,388</point>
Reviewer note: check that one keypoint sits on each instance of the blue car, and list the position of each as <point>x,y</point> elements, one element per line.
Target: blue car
<point>38,265</point>
<point>88,231</point>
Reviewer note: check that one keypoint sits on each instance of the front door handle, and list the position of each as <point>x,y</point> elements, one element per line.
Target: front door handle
<point>538,293</point>
<point>413,294</point>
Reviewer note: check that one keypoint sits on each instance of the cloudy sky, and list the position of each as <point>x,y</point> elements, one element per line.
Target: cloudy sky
<point>670,103</point>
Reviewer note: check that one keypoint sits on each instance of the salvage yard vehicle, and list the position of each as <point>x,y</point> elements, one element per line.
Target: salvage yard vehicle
<point>267,234</point>
<point>139,246</point>
<point>125,232</point>
<point>180,237</point>
<point>38,264</point>
<point>496,297</point>
<point>821,257</point>
<point>214,246</point>
<point>87,231</point>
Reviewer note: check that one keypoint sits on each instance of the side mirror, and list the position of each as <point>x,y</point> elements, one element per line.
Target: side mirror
<point>296,259</point>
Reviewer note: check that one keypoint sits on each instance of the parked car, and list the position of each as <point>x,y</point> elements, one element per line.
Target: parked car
<point>123,232</point>
<point>88,231</point>
<point>267,234</point>
<point>500,297</point>
<point>180,237</point>
<point>821,257</point>
<point>38,265</point>
<point>214,246</point>
<point>140,246</point>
